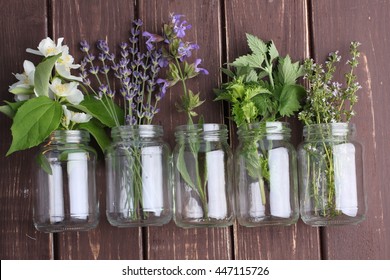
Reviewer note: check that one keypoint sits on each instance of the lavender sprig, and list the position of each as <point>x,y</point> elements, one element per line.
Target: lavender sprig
<point>138,74</point>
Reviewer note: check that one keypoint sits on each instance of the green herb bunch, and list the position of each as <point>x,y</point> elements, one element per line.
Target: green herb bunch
<point>262,88</point>
<point>327,100</point>
<point>263,85</point>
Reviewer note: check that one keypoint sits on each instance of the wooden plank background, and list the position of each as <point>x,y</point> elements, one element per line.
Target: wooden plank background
<point>300,28</point>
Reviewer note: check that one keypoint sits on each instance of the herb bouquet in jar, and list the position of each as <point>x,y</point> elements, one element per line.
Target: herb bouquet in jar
<point>262,90</point>
<point>137,161</point>
<point>330,159</point>
<point>202,157</point>
<point>47,111</point>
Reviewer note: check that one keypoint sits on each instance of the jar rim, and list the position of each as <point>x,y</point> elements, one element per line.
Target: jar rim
<point>335,129</point>
<point>206,127</point>
<point>144,130</point>
<point>274,127</point>
<point>70,136</point>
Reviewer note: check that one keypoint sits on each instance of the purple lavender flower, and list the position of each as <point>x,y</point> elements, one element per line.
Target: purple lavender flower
<point>123,45</point>
<point>105,69</point>
<point>94,70</point>
<point>84,46</point>
<point>90,57</point>
<point>102,57</point>
<point>131,120</point>
<point>103,46</point>
<point>138,22</point>
<point>110,93</point>
<point>198,69</point>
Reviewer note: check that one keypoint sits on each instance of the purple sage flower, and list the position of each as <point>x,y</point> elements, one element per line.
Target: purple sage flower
<point>198,69</point>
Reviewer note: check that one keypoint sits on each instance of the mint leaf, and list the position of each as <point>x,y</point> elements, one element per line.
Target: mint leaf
<point>250,60</point>
<point>289,72</point>
<point>42,75</point>
<point>182,168</point>
<point>290,98</point>
<point>33,123</point>
<point>273,52</point>
<point>98,109</point>
<point>257,46</point>
<point>97,131</point>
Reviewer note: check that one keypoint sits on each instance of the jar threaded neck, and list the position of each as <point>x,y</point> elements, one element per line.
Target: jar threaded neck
<point>272,130</point>
<point>329,130</point>
<point>136,131</point>
<point>69,136</point>
<point>206,132</point>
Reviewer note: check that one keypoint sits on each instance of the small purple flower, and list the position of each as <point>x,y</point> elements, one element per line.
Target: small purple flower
<point>198,69</point>
<point>185,50</point>
<point>105,69</point>
<point>110,57</point>
<point>134,32</point>
<point>90,57</point>
<point>84,46</point>
<point>124,53</point>
<point>163,84</point>
<point>103,88</point>
<point>152,38</point>
<point>87,82</point>
<point>123,45</point>
<point>179,27</point>
<point>102,57</point>
<point>103,46</point>
<point>124,62</point>
<point>94,70</point>
<point>131,120</point>
<point>115,67</point>
<point>110,93</point>
<point>138,22</point>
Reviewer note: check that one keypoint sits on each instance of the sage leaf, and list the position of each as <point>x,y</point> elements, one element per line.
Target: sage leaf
<point>42,75</point>
<point>182,168</point>
<point>33,123</point>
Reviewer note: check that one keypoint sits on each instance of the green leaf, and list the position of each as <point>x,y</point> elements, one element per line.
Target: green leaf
<point>22,90</point>
<point>256,45</point>
<point>42,75</point>
<point>250,111</point>
<point>273,52</point>
<point>251,77</point>
<point>263,104</point>
<point>228,72</point>
<point>250,60</point>
<point>33,123</point>
<point>7,110</point>
<point>289,72</point>
<point>99,110</point>
<point>44,163</point>
<point>182,168</point>
<point>97,131</point>
<point>290,98</point>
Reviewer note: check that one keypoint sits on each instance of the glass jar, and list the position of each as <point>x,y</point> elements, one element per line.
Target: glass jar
<point>138,177</point>
<point>202,162</point>
<point>331,175</point>
<point>65,197</point>
<point>266,175</point>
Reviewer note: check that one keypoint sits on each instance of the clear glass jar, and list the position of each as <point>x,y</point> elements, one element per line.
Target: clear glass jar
<point>138,177</point>
<point>331,175</point>
<point>202,172</point>
<point>65,197</point>
<point>266,175</point>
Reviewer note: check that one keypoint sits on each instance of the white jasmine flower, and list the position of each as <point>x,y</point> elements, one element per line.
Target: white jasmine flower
<point>67,90</point>
<point>25,81</point>
<point>47,47</point>
<point>70,116</point>
<point>65,63</point>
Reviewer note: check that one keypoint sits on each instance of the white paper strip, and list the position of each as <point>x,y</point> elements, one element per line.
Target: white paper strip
<point>78,185</point>
<point>257,209</point>
<point>216,185</point>
<point>278,163</point>
<point>345,178</point>
<point>56,194</point>
<point>152,180</point>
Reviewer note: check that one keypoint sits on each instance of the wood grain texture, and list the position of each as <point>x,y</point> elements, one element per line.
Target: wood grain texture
<point>171,242</point>
<point>23,25</point>
<point>94,20</point>
<point>335,25</point>
<point>284,22</point>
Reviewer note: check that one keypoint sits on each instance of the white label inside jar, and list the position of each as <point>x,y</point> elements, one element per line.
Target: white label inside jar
<point>279,170</point>
<point>152,180</point>
<point>78,185</point>
<point>56,194</point>
<point>216,185</point>
<point>345,179</point>
<point>257,208</point>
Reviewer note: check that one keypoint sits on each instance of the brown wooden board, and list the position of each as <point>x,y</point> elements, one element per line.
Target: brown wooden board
<point>335,25</point>
<point>93,20</point>
<point>171,242</point>
<point>23,25</point>
<point>284,22</point>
